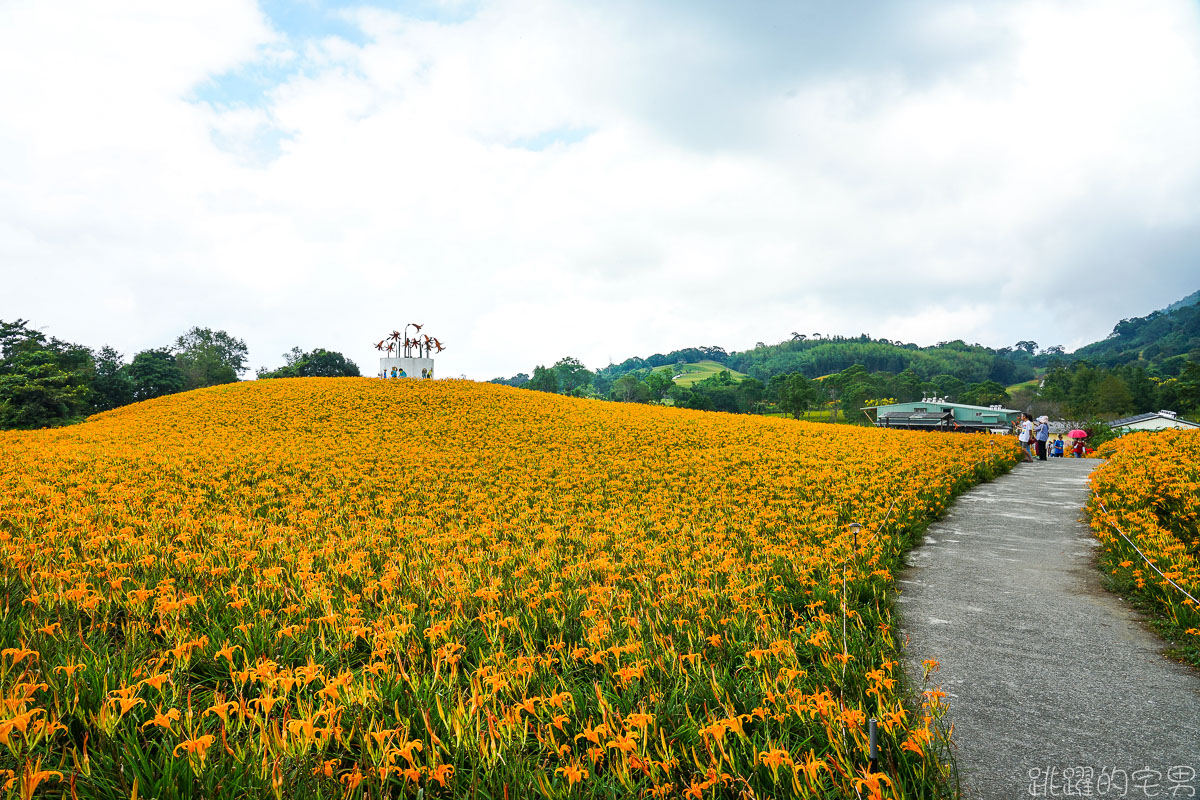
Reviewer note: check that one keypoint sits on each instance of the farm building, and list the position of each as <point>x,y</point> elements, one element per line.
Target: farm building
<point>935,414</point>
<point>1152,421</point>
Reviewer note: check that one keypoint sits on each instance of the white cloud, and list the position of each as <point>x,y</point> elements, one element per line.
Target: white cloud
<point>544,179</point>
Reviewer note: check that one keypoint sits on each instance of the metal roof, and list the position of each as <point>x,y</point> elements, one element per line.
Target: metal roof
<point>1116,423</point>
<point>918,415</point>
<point>948,405</point>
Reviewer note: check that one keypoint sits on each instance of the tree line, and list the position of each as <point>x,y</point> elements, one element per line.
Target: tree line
<point>45,381</point>
<point>1146,364</point>
<point>1081,390</point>
<point>791,393</point>
<point>1065,389</point>
<point>1076,390</point>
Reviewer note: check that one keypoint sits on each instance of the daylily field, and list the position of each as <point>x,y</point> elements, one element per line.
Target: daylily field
<point>362,588</point>
<point>1150,489</point>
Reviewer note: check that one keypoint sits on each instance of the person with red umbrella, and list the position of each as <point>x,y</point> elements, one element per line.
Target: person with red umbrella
<point>1079,449</point>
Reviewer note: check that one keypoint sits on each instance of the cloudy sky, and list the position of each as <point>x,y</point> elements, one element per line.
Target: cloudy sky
<point>536,179</point>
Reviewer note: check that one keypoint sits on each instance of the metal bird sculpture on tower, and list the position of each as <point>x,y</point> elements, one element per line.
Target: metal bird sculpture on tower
<point>398,342</point>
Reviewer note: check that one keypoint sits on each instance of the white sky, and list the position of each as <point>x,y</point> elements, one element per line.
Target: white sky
<point>536,179</point>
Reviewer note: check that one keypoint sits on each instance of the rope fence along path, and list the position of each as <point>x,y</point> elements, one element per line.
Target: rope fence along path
<point>1108,517</point>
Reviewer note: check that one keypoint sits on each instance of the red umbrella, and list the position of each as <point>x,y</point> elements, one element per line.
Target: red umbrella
<point>1077,434</point>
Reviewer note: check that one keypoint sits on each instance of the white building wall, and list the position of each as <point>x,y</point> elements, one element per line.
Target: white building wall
<point>412,367</point>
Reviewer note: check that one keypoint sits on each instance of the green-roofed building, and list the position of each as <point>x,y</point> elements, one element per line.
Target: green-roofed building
<point>935,414</point>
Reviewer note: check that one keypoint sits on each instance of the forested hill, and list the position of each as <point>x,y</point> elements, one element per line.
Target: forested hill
<point>1160,342</point>
<point>819,356</point>
<point>970,363</point>
<point>1147,363</point>
<point>1163,341</point>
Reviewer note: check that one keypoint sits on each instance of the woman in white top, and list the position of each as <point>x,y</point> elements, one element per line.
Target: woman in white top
<point>1025,437</point>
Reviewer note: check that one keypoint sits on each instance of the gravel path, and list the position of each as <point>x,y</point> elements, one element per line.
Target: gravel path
<point>1056,689</point>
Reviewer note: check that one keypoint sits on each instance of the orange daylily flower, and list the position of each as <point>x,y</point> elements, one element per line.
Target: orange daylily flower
<point>198,746</point>
<point>161,719</point>
<point>574,773</point>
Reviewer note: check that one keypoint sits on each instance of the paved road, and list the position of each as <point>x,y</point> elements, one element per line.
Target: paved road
<point>1045,671</point>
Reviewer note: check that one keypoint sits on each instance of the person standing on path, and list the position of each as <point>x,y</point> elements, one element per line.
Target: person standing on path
<point>1043,435</point>
<point>1025,434</point>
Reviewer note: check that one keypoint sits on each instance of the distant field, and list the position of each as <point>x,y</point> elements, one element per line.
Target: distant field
<point>1029,384</point>
<point>1032,383</point>
<point>811,416</point>
<point>698,371</point>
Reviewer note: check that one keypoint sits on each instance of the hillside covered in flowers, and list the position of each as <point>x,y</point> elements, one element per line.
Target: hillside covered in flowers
<point>363,588</point>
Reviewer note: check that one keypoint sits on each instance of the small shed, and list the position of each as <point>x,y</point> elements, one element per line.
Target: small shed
<point>936,414</point>
<point>1153,421</point>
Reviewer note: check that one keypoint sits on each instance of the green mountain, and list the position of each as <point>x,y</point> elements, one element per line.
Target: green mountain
<point>816,357</point>
<point>1147,363</point>
<point>1162,342</point>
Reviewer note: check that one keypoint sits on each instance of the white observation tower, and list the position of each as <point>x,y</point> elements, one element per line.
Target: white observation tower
<point>407,358</point>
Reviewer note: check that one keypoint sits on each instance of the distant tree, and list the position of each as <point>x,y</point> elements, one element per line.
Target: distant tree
<point>854,387</point>
<point>658,383</point>
<point>630,389</point>
<point>1188,390</point>
<point>1142,389</point>
<point>208,358</point>
<point>906,386</point>
<point>795,394</point>
<point>949,387</point>
<point>545,379</point>
<point>520,379</point>
<point>323,363</point>
<point>601,384</point>
<point>985,394</point>
<point>572,375</point>
<point>35,392</point>
<point>750,392</point>
<point>18,336</point>
<point>113,386</point>
<point>319,363</point>
<point>722,378</point>
<point>155,373</point>
<point>1112,396</point>
<point>1082,402</point>
<point>43,381</point>
<point>1056,384</point>
<point>1026,346</point>
<point>1022,399</point>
